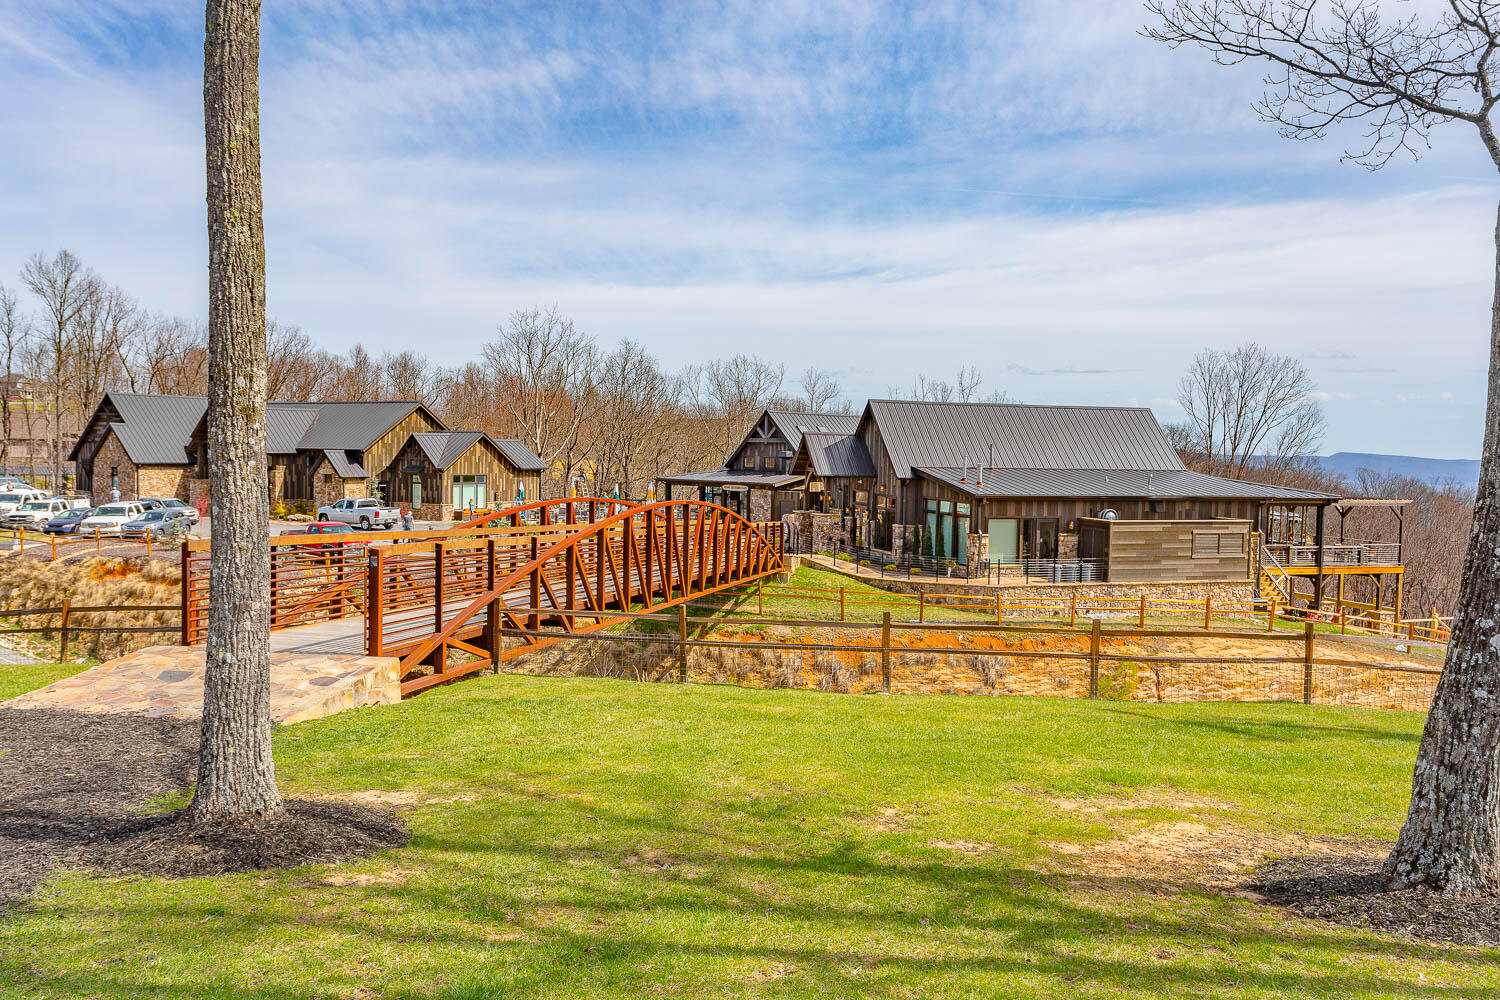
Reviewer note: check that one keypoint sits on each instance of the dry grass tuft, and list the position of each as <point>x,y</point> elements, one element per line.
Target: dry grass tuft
<point>98,582</point>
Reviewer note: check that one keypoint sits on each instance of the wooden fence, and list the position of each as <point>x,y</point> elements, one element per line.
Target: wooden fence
<point>1074,607</point>
<point>65,624</point>
<point>1095,654</point>
<point>53,547</point>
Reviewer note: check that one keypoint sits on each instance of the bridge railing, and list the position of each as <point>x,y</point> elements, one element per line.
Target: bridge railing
<point>317,578</point>
<point>650,555</point>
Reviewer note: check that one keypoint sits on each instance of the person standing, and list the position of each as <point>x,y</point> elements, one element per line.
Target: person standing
<point>408,523</point>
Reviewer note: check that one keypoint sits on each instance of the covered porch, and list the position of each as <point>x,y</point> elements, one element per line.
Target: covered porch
<point>758,496</point>
<point>1301,546</point>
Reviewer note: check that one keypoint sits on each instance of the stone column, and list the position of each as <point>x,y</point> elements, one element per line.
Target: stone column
<point>977,551</point>
<point>760,505</point>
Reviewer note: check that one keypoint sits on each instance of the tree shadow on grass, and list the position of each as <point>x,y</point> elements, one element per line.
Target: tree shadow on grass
<point>1276,730</point>
<point>834,917</point>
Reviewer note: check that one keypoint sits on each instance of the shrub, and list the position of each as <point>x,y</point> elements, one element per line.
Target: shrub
<point>890,567</point>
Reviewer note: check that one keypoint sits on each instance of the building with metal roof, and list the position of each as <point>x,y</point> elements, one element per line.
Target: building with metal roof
<point>317,452</point>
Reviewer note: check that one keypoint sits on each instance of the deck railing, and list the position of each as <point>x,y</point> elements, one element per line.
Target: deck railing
<point>1338,554</point>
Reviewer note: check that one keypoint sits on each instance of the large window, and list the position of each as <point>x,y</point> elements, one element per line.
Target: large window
<point>468,491</point>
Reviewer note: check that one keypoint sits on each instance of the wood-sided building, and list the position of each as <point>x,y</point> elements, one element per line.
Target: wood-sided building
<point>756,479</point>
<point>440,474</point>
<point>316,453</point>
<point>1013,485</point>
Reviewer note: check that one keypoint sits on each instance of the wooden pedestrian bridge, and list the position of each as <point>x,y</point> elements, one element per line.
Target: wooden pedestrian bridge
<point>496,587</point>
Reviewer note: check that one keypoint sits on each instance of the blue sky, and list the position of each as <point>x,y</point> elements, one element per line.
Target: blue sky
<point>1029,188</point>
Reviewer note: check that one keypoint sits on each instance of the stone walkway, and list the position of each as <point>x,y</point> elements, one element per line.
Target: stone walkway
<point>168,681</point>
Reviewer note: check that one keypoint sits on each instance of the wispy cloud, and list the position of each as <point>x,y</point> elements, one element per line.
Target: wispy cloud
<point>869,188</point>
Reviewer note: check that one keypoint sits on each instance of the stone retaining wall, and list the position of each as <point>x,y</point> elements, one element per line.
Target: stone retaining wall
<point>977,666</point>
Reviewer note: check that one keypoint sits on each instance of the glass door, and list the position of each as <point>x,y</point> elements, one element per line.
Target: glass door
<point>961,533</point>
<point>1005,539</point>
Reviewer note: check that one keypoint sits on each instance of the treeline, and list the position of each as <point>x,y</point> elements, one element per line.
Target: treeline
<point>613,414</point>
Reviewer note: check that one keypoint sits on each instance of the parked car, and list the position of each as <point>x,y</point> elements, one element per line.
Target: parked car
<point>329,528</point>
<point>172,503</point>
<point>13,498</point>
<point>108,519</point>
<point>362,513</point>
<point>158,523</point>
<point>35,513</point>
<point>78,501</point>
<point>68,522</point>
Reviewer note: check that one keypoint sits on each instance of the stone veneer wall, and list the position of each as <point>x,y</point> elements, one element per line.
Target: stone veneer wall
<point>814,531</point>
<point>111,454</point>
<point>760,505</point>
<point>159,481</point>
<point>336,488</point>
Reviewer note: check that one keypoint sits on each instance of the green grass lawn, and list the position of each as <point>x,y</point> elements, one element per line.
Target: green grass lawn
<point>18,678</point>
<point>595,838</point>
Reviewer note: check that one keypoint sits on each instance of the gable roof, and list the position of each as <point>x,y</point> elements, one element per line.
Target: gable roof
<point>347,425</point>
<point>794,423</point>
<point>285,427</point>
<point>830,455</point>
<point>519,455</point>
<point>443,448</point>
<point>343,466</point>
<point>1023,436</point>
<point>153,429</point>
<point>1154,484</point>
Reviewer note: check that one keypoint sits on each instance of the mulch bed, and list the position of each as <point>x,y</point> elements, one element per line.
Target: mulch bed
<point>1351,892</point>
<point>72,789</point>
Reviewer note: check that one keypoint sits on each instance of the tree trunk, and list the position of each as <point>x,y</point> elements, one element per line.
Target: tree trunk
<point>1451,840</point>
<point>236,778</point>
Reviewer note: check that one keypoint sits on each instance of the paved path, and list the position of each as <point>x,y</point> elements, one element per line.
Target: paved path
<point>315,671</point>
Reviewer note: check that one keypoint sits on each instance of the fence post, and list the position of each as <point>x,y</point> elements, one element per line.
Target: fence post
<point>999,609</point>
<point>885,652</point>
<point>534,620</point>
<point>841,603</point>
<point>1271,616</point>
<point>682,634</point>
<point>760,600</point>
<point>53,540</point>
<point>1072,609</point>
<point>147,533</point>
<point>1208,611</point>
<point>67,610</point>
<point>921,606</point>
<point>1094,659</point>
<point>1143,609</point>
<point>1307,663</point>
<point>186,569</point>
<point>98,543</point>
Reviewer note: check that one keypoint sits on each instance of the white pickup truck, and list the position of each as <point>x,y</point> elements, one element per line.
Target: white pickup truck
<point>364,514</point>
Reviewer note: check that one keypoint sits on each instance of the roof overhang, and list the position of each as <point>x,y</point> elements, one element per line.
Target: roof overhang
<point>733,478</point>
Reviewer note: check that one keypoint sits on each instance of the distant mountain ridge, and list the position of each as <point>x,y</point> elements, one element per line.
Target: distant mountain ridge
<point>1436,471</point>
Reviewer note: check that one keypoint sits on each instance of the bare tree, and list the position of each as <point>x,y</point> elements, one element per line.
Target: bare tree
<point>1249,408</point>
<point>109,320</point>
<point>1401,77</point>
<point>637,407</point>
<point>295,368</point>
<point>65,287</point>
<point>236,776</point>
<point>169,356</point>
<point>15,335</point>
<point>965,388</point>
<point>821,390</point>
<point>544,368</point>
<point>724,395</point>
<point>410,375</point>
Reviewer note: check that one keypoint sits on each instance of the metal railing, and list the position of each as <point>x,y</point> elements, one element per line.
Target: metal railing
<point>1276,573</point>
<point>1338,554</point>
<point>883,563</point>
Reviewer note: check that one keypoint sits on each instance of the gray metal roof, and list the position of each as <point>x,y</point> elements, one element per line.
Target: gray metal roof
<point>838,455</point>
<point>443,448</point>
<point>939,435</point>
<point>1160,484</point>
<point>343,466</point>
<point>734,477</point>
<point>353,425</point>
<point>155,429</point>
<point>794,423</point>
<point>286,425</point>
<point>518,454</point>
